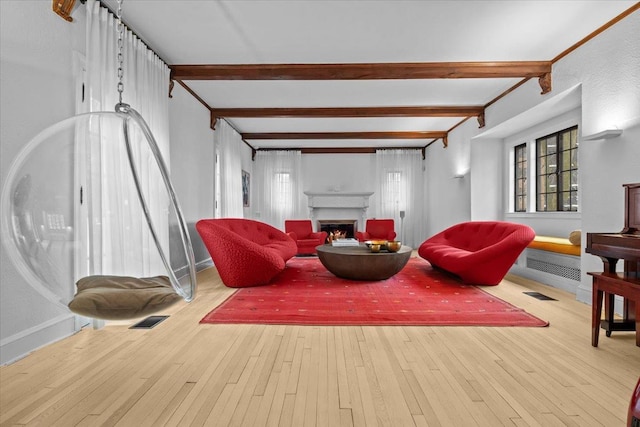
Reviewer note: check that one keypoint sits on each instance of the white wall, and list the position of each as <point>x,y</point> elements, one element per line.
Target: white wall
<point>448,199</point>
<point>192,162</point>
<point>37,87</point>
<point>607,70</point>
<point>348,172</point>
<point>344,173</point>
<point>606,73</point>
<point>357,173</point>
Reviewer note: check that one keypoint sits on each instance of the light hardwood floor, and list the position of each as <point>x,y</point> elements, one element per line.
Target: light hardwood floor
<point>182,373</point>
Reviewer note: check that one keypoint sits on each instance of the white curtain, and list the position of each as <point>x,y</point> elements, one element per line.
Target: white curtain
<point>279,187</point>
<point>119,238</point>
<point>400,188</point>
<point>229,144</point>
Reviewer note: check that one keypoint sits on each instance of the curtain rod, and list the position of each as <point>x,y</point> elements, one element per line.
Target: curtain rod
<point>104,4</point>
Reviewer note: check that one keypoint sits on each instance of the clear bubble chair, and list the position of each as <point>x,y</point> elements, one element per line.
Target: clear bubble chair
<point>90,218</point>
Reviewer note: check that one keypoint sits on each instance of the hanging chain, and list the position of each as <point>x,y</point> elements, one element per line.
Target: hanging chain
<point>120,55</point>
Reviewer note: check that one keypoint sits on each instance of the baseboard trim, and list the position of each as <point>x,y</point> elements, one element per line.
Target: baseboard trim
<point>546,278</point>
<point>19,345</point>
<point>584,295</point>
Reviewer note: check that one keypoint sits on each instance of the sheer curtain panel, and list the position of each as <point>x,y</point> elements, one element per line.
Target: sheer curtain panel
<point>280,193</point>
<point>229,145</point>
<point>400,188</point>
<point>120,243</point>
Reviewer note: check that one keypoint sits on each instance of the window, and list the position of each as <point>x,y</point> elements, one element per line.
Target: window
<point>392,191</point>
<point>520,176</point>
<point>282,189</point>
<point>557,171</point>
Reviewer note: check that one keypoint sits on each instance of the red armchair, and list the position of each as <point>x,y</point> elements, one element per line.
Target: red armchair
<point>479,252</point>
<point>301,231</point>
<point>245,252</point>
<point>377,229</point>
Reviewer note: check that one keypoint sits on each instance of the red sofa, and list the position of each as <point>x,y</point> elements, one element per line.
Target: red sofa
<point>479,252</point>
<point>377,229</point>
<point>245,252</point>
<point>301,230</point>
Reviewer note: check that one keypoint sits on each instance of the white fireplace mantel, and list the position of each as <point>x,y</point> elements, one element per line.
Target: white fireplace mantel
<point>338,200</point>
<point>338,205</point>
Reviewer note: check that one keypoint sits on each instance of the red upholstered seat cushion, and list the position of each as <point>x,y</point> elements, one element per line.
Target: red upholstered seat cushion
<point>480,252</point>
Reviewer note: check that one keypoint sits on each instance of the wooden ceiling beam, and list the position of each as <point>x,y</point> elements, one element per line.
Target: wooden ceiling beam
<point>362,71</point>
<point>343,150</point>
<point>345,135</point>
<point>391,111</point>
<point>357,112</point>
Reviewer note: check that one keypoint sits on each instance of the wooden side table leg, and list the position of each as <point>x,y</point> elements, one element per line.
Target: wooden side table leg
<point>596,313</point>
<point>609,310</point>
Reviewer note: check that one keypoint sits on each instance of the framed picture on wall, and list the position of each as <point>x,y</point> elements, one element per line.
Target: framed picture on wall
<point>245,188</point>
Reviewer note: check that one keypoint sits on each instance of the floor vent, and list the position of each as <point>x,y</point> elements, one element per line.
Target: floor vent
<point>555,269</point>
<point>149,322</point>
<point>540,296</point>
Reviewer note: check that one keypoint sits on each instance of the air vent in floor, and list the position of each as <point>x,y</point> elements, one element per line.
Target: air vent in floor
<point>149,322</point>
<point>540,296</point>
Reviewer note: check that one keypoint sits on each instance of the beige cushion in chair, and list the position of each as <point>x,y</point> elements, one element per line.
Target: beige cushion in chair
<point>122,297</point>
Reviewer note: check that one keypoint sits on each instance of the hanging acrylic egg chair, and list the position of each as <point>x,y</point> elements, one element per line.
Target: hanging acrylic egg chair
<point>131,253</point>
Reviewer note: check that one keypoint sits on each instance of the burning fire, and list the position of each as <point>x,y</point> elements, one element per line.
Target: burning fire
<point>337,234</point>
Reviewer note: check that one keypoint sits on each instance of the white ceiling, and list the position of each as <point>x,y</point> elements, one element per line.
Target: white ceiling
<point>358,31</point>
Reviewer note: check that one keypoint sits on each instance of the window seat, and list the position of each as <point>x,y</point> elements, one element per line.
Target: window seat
<point>554,261</point>
<point>559,245</point>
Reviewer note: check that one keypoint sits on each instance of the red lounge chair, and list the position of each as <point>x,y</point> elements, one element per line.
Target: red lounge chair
<point>480,252</point>
<point>301,230</point>
<point>377,229</point>
<point>245,252</point>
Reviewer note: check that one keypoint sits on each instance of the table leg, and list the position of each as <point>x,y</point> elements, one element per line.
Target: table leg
<point>596,313</point>
<point>609,310</point>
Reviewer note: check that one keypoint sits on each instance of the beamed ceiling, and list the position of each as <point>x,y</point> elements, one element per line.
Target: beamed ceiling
<point>353,76</point>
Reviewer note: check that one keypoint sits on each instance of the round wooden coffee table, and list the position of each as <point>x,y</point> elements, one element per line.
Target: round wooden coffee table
<point>359,263</point>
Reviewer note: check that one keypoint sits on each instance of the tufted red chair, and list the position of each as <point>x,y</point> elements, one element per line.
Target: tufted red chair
<point>480,252</point>
<point>301,230</point>
<point>245,252</point>
<point>377,229</point>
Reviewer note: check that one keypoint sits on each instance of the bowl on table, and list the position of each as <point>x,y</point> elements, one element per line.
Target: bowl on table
<point>381,243</point>
<point>394,246</point>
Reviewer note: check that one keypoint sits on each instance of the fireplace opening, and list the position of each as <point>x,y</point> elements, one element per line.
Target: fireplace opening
<point>343,228</point>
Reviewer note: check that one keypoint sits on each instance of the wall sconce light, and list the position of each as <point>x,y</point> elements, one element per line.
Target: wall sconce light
<point>605,134</point>
<point>459,175</point>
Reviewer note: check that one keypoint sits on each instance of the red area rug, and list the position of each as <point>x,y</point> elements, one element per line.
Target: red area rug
<point>305,293</point>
